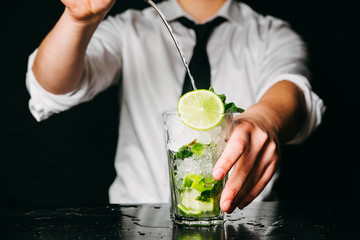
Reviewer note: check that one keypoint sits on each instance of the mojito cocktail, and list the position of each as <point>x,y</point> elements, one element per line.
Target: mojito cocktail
<point>192,156</point>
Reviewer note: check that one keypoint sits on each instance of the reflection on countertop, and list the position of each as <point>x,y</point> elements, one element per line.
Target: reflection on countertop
<point>265,220</point>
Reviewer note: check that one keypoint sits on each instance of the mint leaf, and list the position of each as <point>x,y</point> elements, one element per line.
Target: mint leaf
<point>229,107</point>
<point>232,108</point>
<point>190,149</point>
<point>184,152</point>
<point>222,97</point>
<point>197,149</point>
<point>204,196</point>
<point>216,189</point>
<point>187,182</point>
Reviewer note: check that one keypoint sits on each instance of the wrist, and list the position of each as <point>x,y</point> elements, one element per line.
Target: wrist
<point>281,110</point>
<point>264,117</point>
<point>82,23</point>
<point>79,30</point>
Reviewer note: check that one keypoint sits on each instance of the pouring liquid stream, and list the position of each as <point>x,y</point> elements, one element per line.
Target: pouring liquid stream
<point>175,41</point>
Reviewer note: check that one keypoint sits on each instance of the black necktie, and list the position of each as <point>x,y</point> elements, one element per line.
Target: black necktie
<point>199,64</point>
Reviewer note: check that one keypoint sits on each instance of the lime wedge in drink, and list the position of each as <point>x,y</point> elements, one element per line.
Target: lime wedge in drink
<point>188,212</point>
<point>201,109</point>
<point>189,202</point>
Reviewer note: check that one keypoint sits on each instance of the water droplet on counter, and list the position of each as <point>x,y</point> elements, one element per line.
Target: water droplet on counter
<point>274,229</point>
<point>232,219</point>
<point>271,230</point>
<point>141,233</point>
<point>278,223</point>
<point>255,223</point>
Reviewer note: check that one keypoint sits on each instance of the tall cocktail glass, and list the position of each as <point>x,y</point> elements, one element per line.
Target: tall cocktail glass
<point>192,154</point>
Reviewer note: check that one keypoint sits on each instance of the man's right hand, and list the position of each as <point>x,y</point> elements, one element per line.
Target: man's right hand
<point>88,10</point>
<point>59,63</point>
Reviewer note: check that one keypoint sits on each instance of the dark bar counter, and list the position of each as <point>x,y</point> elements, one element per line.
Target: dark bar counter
<point>265,220</point>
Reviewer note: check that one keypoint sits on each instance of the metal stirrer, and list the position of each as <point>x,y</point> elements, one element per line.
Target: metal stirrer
<point>176,42</point>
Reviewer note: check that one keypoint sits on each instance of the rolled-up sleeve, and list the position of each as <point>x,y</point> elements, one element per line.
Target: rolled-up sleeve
<point>286,59</point>
<point>102,69</point>
<point>43,104</point>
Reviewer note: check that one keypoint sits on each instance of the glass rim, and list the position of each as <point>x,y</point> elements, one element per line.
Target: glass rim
<point>174,112</point>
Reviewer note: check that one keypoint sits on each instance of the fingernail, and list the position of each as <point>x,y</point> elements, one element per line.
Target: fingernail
<point>226,205</point>
<point>219,173</point>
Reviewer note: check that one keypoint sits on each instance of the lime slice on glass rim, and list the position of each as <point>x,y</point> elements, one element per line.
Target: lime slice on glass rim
<point>201,109</point>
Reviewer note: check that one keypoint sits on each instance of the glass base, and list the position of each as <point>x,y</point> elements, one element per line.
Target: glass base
<point>199,222</point>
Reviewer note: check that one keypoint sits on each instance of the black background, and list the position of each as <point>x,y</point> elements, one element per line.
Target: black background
<point>68,159</point>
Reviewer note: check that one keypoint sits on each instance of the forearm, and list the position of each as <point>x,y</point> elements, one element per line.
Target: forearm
<point>281,110</point>
<point>59,63</point>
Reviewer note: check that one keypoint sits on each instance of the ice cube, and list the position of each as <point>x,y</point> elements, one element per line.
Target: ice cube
<point>206,165</point>
<point>175,126</point>
<point>180,134</point>
<point>218,149</point>
<point>215,131</point>
<point>204,137</point>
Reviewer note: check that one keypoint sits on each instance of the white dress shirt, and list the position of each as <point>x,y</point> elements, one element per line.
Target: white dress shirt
<point>248,54</point>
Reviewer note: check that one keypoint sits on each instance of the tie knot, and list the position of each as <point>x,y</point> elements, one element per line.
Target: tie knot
<point>202,31</point>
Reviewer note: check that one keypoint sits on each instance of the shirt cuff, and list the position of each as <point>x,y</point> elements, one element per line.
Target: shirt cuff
<point>314,105</point>
<point>43,104</point>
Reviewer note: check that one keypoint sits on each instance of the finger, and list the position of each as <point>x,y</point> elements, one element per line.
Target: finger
<point>237,179</point>
<point>91,9</point>
<point>259,186</point>
<point>247,173</point>
<point>265,157</point>
<point>232,152</point>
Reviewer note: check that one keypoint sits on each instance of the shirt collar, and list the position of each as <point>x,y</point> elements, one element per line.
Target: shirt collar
<point>172,10</point>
